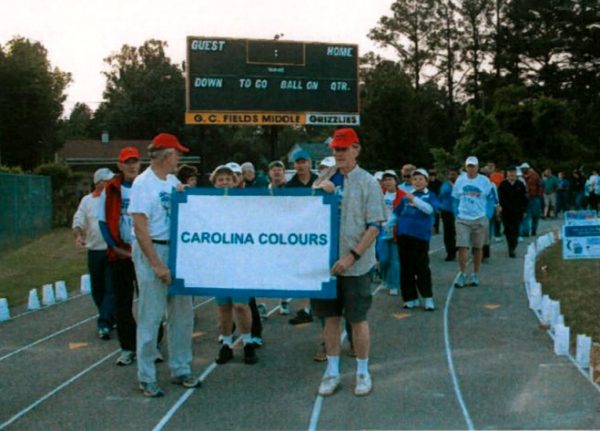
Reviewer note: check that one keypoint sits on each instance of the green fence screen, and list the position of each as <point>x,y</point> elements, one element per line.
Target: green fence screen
<point>25,208</point>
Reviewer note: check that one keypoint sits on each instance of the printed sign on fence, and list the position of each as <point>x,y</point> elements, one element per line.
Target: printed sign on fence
<point>254,242</point>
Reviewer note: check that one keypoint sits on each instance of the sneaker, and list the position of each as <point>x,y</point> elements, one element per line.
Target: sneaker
<point>250,357</point>
<point>460,281</point>
<point>125,358</point>
<point>329,384</point>
<point>301,317</point>
<point>409,305</point>
<point>449,258</point>
<point>257,341</point>
<point>393,292</point>
<point>321,355</point>
<point>104,333</point>
<point>511,254</point>
<point>225,355</point>
<point>474,280</point>
<point>284,308</point>
<point>364,385</point>
<point>262,310</point>
<point>151,390</point>
<point>428,304</point>
<point>187,381</point>
<point>520,239</point>
<point>159,358</point>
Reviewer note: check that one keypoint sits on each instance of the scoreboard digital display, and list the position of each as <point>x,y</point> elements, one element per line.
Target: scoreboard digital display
<point>270,82</point>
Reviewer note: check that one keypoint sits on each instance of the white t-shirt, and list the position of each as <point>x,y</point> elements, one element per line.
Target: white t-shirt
<point>388,199</point>
<point>86,219</point>
<point>152,196</point>
<point>472,195</point>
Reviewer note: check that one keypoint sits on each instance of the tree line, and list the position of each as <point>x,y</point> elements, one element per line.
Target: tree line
<point>508,80</point>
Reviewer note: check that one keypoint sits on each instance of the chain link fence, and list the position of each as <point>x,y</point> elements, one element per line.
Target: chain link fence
<point>25,208</point>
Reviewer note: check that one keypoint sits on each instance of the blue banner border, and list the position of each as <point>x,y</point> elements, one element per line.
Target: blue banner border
<point>178,287</point>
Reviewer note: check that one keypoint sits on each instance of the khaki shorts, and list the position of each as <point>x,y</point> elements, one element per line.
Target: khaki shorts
<point>472,233</point>
<point>353,299</point>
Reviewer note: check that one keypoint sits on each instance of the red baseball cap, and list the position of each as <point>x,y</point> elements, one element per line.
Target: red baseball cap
<point>129,153</point>
<point>344,138</point>
<point>163,141</point>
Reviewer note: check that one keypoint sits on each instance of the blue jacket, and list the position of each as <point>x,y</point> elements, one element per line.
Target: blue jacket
<point>415,219</point>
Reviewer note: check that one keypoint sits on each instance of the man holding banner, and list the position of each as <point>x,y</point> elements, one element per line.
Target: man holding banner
<point>150,208</point>
<point>362,210</point>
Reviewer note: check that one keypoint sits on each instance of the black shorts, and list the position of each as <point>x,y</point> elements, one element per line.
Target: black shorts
<point>353,299</point>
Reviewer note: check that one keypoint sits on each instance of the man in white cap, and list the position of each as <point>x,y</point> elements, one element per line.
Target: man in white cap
<point>87,234</point>
<point>471,193</point>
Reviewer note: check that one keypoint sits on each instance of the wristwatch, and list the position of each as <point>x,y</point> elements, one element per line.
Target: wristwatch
<point>354,254</point>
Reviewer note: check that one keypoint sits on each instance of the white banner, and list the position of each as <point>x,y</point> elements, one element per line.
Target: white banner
<point>251,243</point>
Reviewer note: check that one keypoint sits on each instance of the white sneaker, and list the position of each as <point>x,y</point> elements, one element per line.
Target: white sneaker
<point>125,358</point>
<point>393,292</point>
<point>284,308</point>
<point>381,285</point>
<point>409,305</point>
<point>428,304</point>
<point>329,385</point>
<point>364,385</point>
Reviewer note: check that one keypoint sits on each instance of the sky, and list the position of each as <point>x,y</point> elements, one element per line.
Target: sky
<point>79,34</point>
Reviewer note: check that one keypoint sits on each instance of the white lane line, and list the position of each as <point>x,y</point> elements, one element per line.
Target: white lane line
<point>448,347</point>
<point>71,380</point>
<point>181,401</point>
<point>46,307</point>
<point>68,328</point>
<point>46,338</point>
<point>316,411</point>
<point>318,404</point>
<point>57,389</point>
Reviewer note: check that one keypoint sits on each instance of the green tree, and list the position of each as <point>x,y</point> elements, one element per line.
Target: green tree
<point>79,122</point>
<point>553,121</point>
<point>408,31</point>
<point>144,95</point>
<point>31,98</point>
<point>399,124</point>
<point>481,136</point>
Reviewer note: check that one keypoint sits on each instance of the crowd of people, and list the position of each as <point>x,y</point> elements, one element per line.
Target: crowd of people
<point>386,223</point>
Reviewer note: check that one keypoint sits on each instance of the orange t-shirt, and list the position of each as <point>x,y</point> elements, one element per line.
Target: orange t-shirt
<point>496,178</point>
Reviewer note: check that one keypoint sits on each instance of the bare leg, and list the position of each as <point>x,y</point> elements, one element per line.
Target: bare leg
<point>477,256</point>
<point>462,259</point>
<point>331,334</point>
<point>361,339</point>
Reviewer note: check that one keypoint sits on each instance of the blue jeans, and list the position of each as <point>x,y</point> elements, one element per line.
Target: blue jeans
<point>102,291</point>
<point>532,218</point>
<point>389,262</point>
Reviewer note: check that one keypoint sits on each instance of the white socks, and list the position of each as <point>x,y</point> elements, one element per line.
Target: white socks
<point>333,366</point>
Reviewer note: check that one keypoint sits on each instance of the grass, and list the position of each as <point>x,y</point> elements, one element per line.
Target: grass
<point>47,259</point>
<point>576,284</point>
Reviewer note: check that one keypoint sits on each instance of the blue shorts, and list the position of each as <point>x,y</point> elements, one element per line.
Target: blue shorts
<point>226,300</point>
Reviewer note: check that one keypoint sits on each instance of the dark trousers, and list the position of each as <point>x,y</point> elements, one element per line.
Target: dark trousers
<point>414,261</point>
<point>256,323</point>
<point>102,290</point>
<point>511,229</point>
<point>449,233</point>
<point>125,285</point>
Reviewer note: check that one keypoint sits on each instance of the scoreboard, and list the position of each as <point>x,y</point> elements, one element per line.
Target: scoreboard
<point>271,82</point>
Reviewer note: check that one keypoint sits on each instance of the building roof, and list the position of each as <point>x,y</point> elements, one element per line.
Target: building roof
<point>78,152</point>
